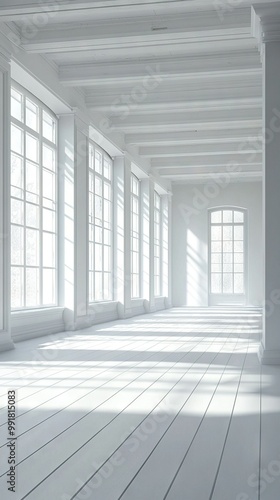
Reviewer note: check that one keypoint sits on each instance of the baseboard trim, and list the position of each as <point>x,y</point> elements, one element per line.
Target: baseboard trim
<point>268,357</point>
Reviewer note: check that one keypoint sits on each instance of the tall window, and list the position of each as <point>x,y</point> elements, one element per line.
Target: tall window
<point>135,237</point>
<point>227,251</point>
<point>157,244</point>
<point>33,202</point>
<point>100,225</point>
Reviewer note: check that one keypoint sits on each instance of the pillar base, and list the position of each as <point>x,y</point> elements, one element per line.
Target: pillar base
<point>268,357</point>
<point>6,343</point>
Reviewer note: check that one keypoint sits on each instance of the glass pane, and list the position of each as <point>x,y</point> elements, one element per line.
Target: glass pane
<point>216,246</point>
<point>238,283</point>
<point>98,162</point>
<point>48,287</point>
<point>227,216</point>
<point>91,182</point>
<point>49,185</point>
<point>17,287</point>
<point>16,105</point>
<point>238,233</point>
<point>16,140</point>
<point>32,115</point>
<point>32,215</point>
<point>98,186</point>
<point>17,245</point>
<point>227,258</point>
<point>216,233</point>
<point>228,268</point>
<point>227,283</point>
<point>91,287</point>
<point>32,287</point>
<point>107,237</point>
<point>107,191</point>
<point>227,246</point>
<point>216,217</point>
<point>48,127</point>
<point>17,171</point>
<point>32,247</point>
<point>238,216</point>
<point>227,233</point>
<point>17,211</point>
<point>48,220</point>
<point>216,283</point>
<point>98,257</point>
<point>98,210</point>
<point>32,148</point>
<point>238,246</point>
<point>48,158</point>
<point>216,268</point>
<point>238,258</point>
<point>238,268</point>
<point>32,178</point>
<point>91,256</point>
<point>98,286</point>
<point>107,169</point>
<point>107,287</point>
<point>107,259</point>
<point>98,235</point>
<point>49,241</point>
<point>216,258</point>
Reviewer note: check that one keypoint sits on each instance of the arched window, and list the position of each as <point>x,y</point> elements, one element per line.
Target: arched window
<point>227,251</point>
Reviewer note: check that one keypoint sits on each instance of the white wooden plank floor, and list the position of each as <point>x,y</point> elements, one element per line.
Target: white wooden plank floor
<point>173,405</point>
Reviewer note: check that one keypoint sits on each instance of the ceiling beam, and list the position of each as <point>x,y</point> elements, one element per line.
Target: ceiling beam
<point>194,137</point>
<point>204,161</point>
<point>243,147</point>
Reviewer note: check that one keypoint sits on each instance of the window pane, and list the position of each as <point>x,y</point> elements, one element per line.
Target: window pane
<point>17,211</point>
<point>238,258</point>
<point>216,233</point>
<point>16,105</point>
<point>16,140</point>
<point>238,246</point>
<point>48,158</point>
<point>216,283</point>
<point>17,287</point>
<point>238,283</point>
<point>49,185</point>
<point>98,286</point>
<point>216,217</point>
<point>98,162</point>
<point>17,245</point>
<point>98,258</point>
<point>48,286</point>
<point>216,258</point>
<point>32,287</point>
<point>48,127</point>
<point>48,220</point>
<point>32,115</point>
<point>49,241</point>
<point>32,215</point>
<point>17,178</point>
<point>32,178</point>
<point>238,233</point>
<point>32,148</point>
<point>227,233</point>
<point>228,268</point>
<point>238,216</point>
<point>216,246</point>
<point>227,216</point>
<point>32,247</point>
<point>227,246</point>
<point>216,268</point>
<point>227,283</point>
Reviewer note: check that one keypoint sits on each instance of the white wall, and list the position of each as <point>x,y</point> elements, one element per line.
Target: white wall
<point>190,238</point>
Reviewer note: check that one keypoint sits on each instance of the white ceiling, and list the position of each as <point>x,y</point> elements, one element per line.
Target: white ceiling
<point>200,111</point>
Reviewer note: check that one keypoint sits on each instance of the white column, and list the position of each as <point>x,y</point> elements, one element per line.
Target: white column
<point>5,287</point>
<point>151,238</point>
<point>266,27</point>
<point>145,243</point>
<point>122,236</point>
<point>73,147</point>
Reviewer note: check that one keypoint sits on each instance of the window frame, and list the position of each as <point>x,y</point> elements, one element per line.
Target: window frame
<point>133,238</point>
<point>91,225</point>
<point>38,135</point>
<point>244,224</point>
<point>158,244</point>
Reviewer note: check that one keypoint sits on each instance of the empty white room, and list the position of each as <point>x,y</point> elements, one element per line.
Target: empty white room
<point>139,250</point>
